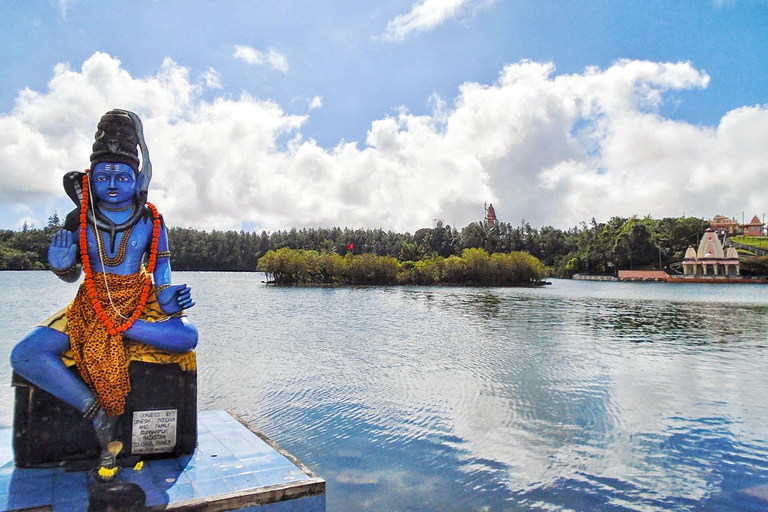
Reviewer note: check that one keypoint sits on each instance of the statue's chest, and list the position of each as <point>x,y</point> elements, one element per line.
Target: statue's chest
<point>129,245</point>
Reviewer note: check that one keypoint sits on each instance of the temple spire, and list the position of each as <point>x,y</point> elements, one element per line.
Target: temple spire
<point>490,215</point>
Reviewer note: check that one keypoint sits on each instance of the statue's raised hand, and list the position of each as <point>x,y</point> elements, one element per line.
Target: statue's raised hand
<point>62,253</point>
<point>175,298</point>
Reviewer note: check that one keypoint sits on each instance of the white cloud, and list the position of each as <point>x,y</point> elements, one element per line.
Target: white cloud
<point>212,79</point>
<point>553,149</point>
<point>426,15</point>
<point>316,102</point>
<point>25,215</point>
<point>63,4</point>
<point>30,222</point>
<point>253,56</point>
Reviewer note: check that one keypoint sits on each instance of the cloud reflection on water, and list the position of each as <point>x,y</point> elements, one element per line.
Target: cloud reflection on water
<point>566,397</point>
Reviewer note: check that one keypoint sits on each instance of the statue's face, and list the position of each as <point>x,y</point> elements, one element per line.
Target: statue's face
<point>114,184</point>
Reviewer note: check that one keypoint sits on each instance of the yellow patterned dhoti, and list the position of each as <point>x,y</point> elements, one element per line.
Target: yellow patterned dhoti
<point>102,359</point>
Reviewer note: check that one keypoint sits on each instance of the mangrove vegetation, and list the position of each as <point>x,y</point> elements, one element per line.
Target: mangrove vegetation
<point>473,267</point>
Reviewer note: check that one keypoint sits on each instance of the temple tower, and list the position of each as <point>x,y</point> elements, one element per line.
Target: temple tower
<point>711,259</point>
<point>490,215</point>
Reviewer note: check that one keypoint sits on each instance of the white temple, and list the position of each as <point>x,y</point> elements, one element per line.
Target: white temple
<point>711,259</point>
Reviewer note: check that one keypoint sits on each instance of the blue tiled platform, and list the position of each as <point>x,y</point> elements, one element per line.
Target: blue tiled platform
<point>233,468</point>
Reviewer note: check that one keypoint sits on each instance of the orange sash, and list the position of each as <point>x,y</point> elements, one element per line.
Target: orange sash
<point>100,357</point>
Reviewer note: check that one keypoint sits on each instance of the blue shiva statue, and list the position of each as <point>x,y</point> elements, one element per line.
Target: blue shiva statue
<point>118,241</point>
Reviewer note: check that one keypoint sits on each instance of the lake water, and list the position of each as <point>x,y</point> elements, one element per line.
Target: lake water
<point>579,396</point>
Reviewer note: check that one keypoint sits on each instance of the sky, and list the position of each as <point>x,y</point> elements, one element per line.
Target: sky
<point>396,113</point>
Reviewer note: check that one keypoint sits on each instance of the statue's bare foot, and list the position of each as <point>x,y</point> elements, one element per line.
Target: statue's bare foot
<point>104,426</point>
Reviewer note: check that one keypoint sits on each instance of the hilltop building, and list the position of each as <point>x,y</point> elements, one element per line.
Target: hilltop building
<point>754,228</point>
<point>710,259</point>
<point>723,224</point>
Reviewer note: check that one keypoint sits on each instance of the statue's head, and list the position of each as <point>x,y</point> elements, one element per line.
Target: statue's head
<point>119,138</point>
<point>120,172</point>
<point>114,183</point>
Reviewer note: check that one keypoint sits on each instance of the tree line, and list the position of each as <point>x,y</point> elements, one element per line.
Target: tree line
<point>594,247</point>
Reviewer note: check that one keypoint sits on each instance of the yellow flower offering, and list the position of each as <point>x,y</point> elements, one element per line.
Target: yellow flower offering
<point>107,472</point>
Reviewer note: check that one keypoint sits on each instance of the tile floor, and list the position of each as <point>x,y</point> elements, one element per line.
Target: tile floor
<point>229,458</point>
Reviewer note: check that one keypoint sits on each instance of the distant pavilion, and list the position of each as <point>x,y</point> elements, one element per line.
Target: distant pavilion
<point>711,259</point>
<point>723,224</point>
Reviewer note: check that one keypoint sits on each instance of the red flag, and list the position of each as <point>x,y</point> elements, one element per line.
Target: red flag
<point>350,246</point>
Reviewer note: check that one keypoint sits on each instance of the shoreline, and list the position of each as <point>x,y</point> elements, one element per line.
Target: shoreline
<point>447,285</point>
<point>655,277</point>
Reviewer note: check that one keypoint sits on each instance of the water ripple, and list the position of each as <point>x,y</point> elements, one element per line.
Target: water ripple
<point>578,396</point>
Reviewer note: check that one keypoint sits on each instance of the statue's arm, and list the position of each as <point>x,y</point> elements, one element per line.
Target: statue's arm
<point>172,298</point>
<point>63,256</point>
<point>176,334</point>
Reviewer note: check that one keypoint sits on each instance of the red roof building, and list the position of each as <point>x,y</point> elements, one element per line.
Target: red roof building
<point>754,228</point>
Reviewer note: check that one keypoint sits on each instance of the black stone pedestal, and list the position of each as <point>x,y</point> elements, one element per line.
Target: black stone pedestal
<point>48,432</point>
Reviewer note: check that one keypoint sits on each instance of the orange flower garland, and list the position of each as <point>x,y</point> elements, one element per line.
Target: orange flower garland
<point>91,287</point>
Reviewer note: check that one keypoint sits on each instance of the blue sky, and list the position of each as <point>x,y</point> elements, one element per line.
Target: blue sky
<point>272,115</point>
